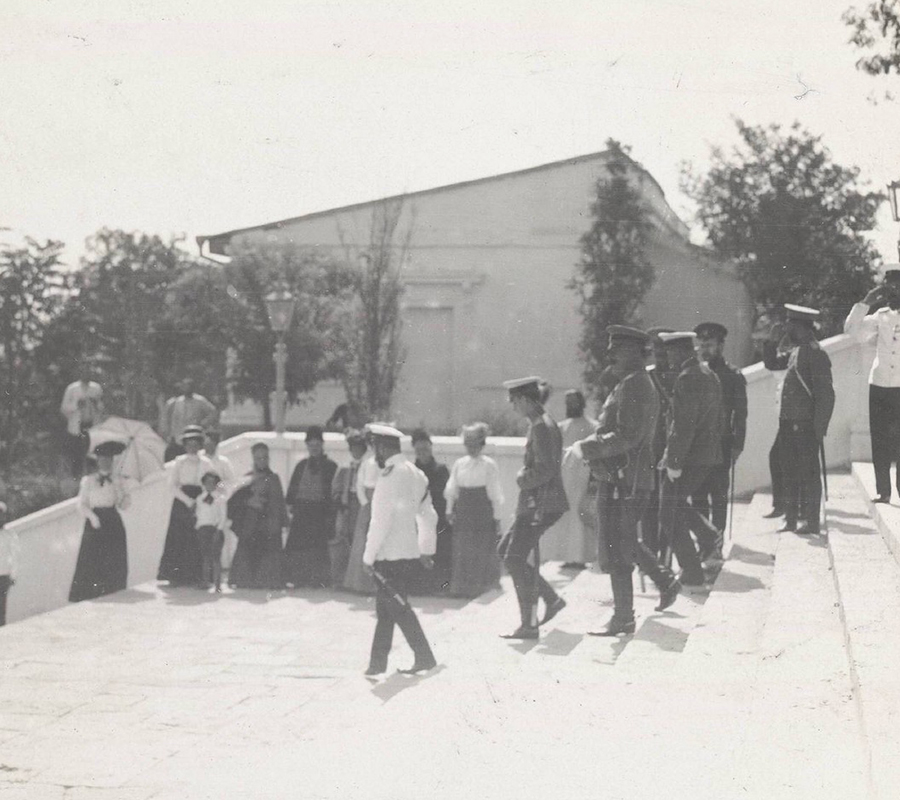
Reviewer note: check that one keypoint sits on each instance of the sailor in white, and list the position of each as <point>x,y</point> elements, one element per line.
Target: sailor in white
<point>402,533</point>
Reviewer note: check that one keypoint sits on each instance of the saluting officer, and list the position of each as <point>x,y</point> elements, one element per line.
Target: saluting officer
<point>807,400</point>
<point>620,453</point>
<point>542,501</point>
<point>693,448</point>
<point>402,533</point>
<point>712,497</point>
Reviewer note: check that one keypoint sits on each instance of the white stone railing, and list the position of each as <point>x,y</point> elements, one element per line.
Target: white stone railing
<point>48,540</point>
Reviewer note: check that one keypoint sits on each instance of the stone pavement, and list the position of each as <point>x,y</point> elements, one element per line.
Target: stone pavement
<point>743,692</point>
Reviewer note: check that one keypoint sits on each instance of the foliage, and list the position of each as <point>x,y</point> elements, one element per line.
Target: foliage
<point>367,348</point>
<point>30,282</point>
<point>613,275</point>
<point>321,288</point>
<point>876,27</point>
<point>792,219</point>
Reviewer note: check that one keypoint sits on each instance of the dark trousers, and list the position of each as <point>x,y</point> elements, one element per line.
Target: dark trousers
<point>711,498</point>
<point>5,583</point>
<point>514,549</point>
<point>884,427</point>
<point>391,612</point>
<point>677,519</point>
<point>650,517</point>
<point>76,450</point>
<point>776,470</point>
<point>619,517</point>
<point>802,473</point>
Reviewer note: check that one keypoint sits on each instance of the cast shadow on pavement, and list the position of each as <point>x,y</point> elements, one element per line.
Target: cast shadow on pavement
<point>665,638</point>
<point>387,689</point>
<point>728,581</point>
<point>559,643</point>
<point>748,556</point>
<point>128,596</point>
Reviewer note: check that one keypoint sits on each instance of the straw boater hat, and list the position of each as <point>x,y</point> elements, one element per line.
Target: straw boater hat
<point>191,432</point>
<point>524,387</point>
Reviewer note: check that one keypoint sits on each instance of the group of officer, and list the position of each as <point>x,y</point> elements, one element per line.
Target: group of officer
<point>663,453</point>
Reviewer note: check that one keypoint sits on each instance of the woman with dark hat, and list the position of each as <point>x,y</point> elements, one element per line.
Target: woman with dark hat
<point>308,497</point>
<point>180,562</point>
<point>102,565</point>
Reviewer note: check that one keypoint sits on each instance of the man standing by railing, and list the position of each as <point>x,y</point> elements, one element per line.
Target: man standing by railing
<point>877,318</point>
<point>82,406</point>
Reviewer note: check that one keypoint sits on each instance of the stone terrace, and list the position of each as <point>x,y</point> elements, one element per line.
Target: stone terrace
<point>780,682</point>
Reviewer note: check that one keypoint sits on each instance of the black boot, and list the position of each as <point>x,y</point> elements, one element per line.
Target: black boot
<point>616,626</point>
<point>623,598</point>
<point>669,587</point>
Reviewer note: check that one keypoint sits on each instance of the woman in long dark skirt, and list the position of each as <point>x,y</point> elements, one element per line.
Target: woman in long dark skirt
<point>102,566</point>
<point>307,562</point>
<point>474,498</point>
<point>181,561</point>
<point>258,518</point>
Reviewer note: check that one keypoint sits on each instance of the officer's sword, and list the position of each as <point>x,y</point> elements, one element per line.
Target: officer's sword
<point>824,485</point>
<point>731,506</point>
<point>536,553</point>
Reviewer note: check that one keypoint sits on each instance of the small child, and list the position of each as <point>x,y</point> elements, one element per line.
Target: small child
<point>212,514</point>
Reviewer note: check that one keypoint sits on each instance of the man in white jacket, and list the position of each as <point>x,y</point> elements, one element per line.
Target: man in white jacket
<point>877,319</point>
<point>402,533</point>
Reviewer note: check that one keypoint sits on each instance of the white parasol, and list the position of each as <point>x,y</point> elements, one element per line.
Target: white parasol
<point>144,448</point>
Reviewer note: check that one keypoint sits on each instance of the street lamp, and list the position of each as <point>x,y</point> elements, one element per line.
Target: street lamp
<point>280,307</point>
<point>893,190</point>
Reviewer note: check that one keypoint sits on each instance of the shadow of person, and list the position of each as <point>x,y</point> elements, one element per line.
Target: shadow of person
<point>732,582</point>
<point>397,682</point>
<point>559,643</point>
<point>128,596</point>
<point>748,556</point>
<point>662,636</point>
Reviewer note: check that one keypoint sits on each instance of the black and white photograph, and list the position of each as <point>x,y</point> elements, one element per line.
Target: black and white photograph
<point>403,399</point>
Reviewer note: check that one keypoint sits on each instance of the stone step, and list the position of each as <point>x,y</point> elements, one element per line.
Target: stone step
<point>868,580</point>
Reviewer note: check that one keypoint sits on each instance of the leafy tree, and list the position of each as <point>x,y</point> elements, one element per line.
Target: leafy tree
<point>613,275</point>
<point>368,343</point>
<point>30,282</point>
<point>116,301</point>
<point>321,288</point>
<point>793,220</point>
<point>876,27</point>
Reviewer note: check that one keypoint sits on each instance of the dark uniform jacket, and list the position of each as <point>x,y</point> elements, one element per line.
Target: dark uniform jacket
<point>540,481</point>
<point>624,435</point>
<point>734,405</point>
<point>663,383</point>
<point>808,393</point>
<point>695,428</point>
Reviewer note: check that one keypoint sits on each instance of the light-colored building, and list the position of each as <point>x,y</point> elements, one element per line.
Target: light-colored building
<point>486,295</point>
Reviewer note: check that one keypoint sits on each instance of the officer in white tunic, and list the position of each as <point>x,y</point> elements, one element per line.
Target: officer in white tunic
<point>402,533</point>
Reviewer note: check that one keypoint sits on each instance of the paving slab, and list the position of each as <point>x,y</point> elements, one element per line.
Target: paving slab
<point>262,696</point>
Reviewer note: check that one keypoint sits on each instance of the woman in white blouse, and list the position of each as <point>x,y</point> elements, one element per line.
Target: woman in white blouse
<point>181,561</point>
<point>474,499</point>
<point>102,565</point>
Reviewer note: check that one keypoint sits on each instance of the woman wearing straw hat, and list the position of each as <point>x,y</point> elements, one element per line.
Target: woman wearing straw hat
<point>180,562</point>
<point>474,499</point>
<point>102,565</point>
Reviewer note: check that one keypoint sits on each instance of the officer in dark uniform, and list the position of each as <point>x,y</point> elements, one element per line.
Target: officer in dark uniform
<point>712,497</point>
<point>542,501</point>
<point>807,401</point>
<point>663,378</point>
<point>693,448</point>
<point>620,453</point>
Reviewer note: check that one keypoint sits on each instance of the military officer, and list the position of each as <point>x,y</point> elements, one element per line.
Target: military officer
<point>876,318</point>
<point>542,501</point>
<point>693,448</point>
<point>620,453</point>
<point>712,497</point>
<point>807,400</point>
<point>402,533</point>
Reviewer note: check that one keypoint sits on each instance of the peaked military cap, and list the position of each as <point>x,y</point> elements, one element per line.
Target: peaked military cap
<point>524,387</point>
<point>625,333</point>
<point>353,435</point>
<point>711,330</point>
<point>192,432</point>
<point>672,337</point>
<point>802,312</point>
<point>382,429</point>
<point>655,331</point>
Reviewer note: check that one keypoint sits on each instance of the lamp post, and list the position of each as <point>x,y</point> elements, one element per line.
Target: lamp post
<point>893,190</point>
<point>280,307</point>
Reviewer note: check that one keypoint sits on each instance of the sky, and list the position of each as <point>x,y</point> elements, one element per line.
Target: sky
<point>196,117</point>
